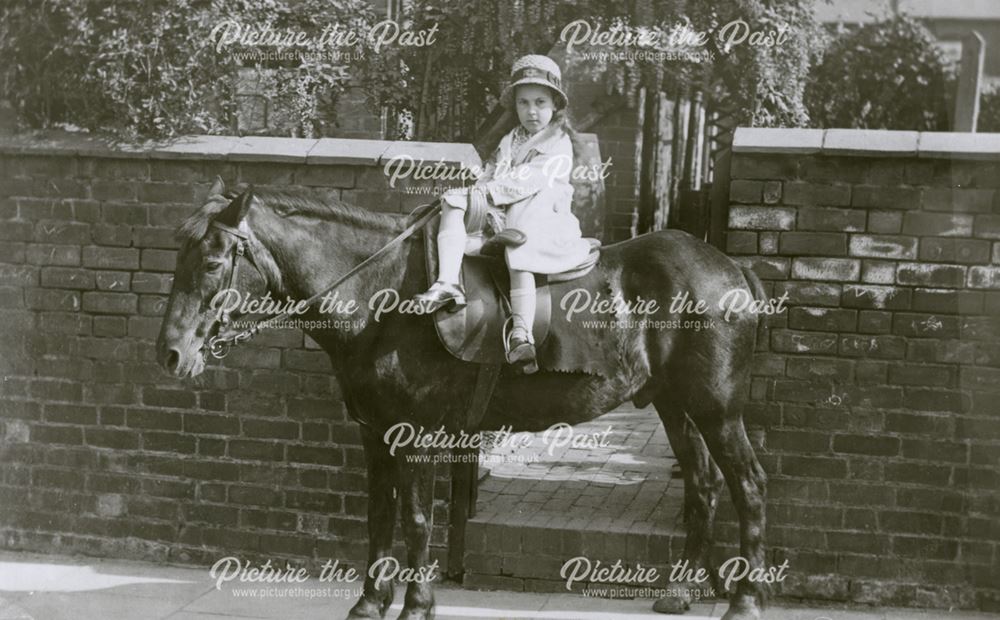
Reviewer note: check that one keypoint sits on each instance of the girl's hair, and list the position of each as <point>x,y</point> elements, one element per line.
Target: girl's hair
<point>560,118</point>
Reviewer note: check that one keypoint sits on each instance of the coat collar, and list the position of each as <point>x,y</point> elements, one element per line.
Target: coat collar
<point>545,141</point>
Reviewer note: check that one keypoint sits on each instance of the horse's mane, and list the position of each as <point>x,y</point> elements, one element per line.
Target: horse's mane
<point>287,202</point>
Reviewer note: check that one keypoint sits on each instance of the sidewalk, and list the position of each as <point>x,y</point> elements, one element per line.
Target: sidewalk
<point>39,587</point>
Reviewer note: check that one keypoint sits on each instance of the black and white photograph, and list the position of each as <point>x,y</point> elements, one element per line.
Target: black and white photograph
<point>500,309</point>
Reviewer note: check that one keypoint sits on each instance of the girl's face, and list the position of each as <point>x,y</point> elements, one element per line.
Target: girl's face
<point>534,106</point>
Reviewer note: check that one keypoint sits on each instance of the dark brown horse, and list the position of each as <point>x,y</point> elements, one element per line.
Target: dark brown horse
<point>395,369</point>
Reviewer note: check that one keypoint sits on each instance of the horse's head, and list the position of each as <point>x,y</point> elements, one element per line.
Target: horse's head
<point>218,253</point>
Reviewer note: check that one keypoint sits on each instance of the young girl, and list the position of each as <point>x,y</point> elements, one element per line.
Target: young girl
<point>528,180</point>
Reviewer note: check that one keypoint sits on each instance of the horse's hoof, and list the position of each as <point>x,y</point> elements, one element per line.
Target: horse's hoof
<point>676,604</point>
<point>745,609</point>
<point>368,609</point>
<point>416,614</point>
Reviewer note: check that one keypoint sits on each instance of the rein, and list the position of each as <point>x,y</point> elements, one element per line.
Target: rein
<point>220,344</point>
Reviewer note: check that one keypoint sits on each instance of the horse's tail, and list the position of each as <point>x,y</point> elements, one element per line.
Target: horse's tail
<point>757,288</point>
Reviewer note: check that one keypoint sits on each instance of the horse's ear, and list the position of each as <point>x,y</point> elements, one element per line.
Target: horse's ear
<point>218,187</point>
<point>246,200</point>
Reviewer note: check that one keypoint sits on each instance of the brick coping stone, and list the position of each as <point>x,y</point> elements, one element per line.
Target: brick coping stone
<point>322,151</point>
<point>867,143</point>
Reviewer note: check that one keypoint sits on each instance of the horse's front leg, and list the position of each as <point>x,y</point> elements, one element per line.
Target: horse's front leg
<point>416,492</point>
<point>377,595</point>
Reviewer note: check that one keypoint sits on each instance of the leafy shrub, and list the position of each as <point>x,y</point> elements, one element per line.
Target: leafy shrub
<point>885,75</point>
<point>151,69</point>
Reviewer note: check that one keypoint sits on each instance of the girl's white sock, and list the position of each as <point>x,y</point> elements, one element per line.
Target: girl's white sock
<point>522,305</point>
<point>451,249</point>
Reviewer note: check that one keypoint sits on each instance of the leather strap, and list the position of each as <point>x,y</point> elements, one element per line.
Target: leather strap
<point>222,341</point>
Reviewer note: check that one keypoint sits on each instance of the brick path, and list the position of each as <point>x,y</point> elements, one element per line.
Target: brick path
<point>624,483</point>
<point>607,503</point>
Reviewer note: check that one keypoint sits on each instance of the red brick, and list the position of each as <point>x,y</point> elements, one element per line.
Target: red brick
<point>809,293</point>
<point>910,522</point>
<point>875,297</point>
<point>256,450</point>
<point>766,268</point>
<point>919,424</point>
<point>110,258</point>
<point>46,254</point>
<point>864,444</point>
<point>936,400</point>
<point>813,467</point>
<point>987,226</point>
<point>919,325</point>
<point>822,319</point>
<point>179,399</point>
<point>111,234</point>
<point>155,237</point>
<point>166,192</point>
<point>761,218</point>
<point>883,246</point>
<point>143,282</point>
<point>831,219</point>
<point>820,368</point>
<point>58,232</point>
<point>958,200</point>
<point>984,277</point>
<point>846,169</point>
<point>157,419</point>
<point>103,189</point>
<point>885,197</point>
<point>746,191</point>
<point>878,271</point>
<point>110,303</point>
<point>874,322</point>
<point>63,277</point>
<point>949,301</point>
<point>813,243</point>
<point>922,375</point>
<point>815,194</point>
<point>326,455</point>
<point>955,250</point>
<point>124,213</point>
<point>886,222</point>
<point>826,269</point>
<point>740,242</point>
<point>772,192</point>
<point>159,260</point>
<point>52,299</point>
<point>937,225</point>
<point>880,347</point>
<point>182,171</point>
<point>987,379</point>
<point>69,435</point>
<point>111,438</point>
<point>931,275</point>
<point>803,342</point>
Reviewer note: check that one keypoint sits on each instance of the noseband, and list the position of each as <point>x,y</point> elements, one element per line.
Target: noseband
<point>227,337</point>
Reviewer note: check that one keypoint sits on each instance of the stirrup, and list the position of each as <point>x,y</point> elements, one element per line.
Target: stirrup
<point>523,354</point>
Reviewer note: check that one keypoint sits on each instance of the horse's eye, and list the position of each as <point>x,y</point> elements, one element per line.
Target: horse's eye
<point>213,266</point>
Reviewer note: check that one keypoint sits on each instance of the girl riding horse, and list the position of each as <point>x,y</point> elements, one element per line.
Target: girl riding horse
<point>526,184</point>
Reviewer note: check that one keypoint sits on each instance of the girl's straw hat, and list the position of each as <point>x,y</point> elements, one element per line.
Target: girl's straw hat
<point>535,69</point>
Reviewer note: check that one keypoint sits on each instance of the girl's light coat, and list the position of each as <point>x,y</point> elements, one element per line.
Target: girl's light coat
<point>532,183</point>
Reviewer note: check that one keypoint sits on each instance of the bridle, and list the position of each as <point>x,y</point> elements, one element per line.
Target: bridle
<point>219,345</point>
<point>227,337</point>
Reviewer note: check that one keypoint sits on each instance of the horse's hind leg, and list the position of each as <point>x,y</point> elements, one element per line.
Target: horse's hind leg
<point>702,483</point>
<point>377,596</point>
<point>724,433</point>
<point>416,490</point>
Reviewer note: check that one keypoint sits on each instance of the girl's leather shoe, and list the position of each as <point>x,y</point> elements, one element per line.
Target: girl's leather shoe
<point>521,350</point>
<point>441,295</point>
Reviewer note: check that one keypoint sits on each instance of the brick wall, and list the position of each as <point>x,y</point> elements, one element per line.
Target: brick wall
<point>100,452</point>
<point>878,392</point>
